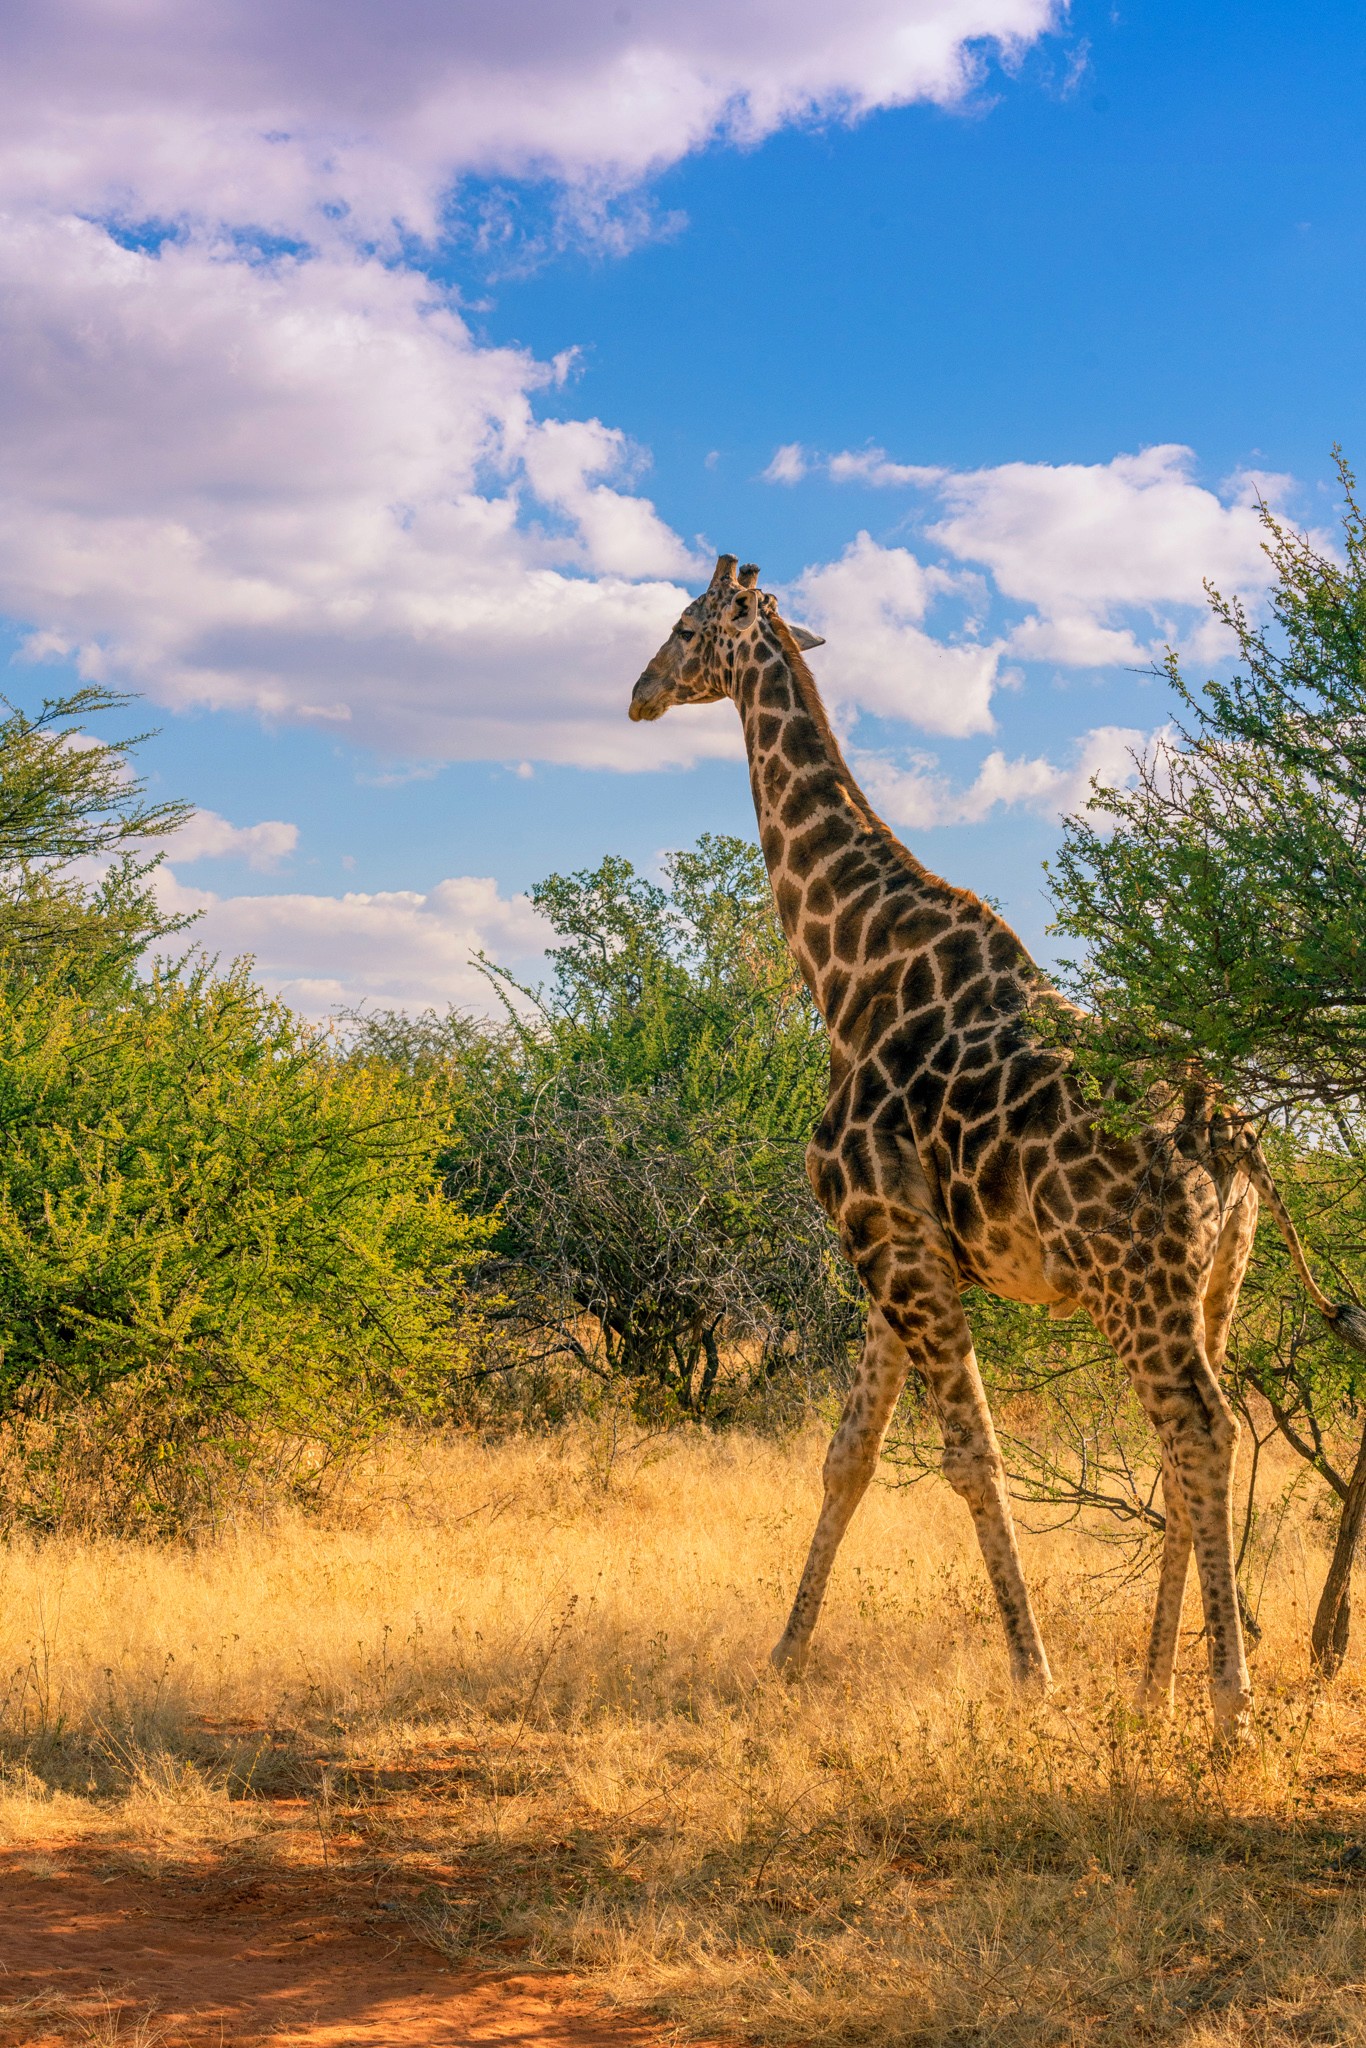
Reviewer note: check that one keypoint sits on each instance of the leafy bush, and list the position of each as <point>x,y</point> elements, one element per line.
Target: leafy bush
<point>638,1130</point>
<point>212,1229</point>
<point>1222,905</point>
<point>68,798</point>
<point>1222,900</point>
<point>643,1242</point>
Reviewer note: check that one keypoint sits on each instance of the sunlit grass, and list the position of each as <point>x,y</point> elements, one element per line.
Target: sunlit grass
<point>526,1687</point>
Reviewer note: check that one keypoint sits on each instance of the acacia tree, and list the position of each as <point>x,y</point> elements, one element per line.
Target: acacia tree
<point>218,1239</point>
<point>640,1132</point>
<point>1314,1385</point>
<point>1222,904</point>
<point>1222,899</point>
<point>67,798</point>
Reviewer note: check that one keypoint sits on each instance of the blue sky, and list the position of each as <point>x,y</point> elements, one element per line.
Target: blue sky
<point>371,417</point>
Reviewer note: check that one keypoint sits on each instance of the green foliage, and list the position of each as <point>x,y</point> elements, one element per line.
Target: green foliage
<point>688,988</point>
<point>1283,1348</point>
<point>1313,1384</point>
<point>66,798</point>
<point>1222,901</point>
<point>203,1207</point>
<point>1223,905</point>
<point>638,1129</point>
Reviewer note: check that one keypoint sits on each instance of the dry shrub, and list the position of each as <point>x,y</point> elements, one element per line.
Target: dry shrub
<point>537,1673</point>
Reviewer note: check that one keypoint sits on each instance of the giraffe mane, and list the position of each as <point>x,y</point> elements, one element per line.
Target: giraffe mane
<point>814,706</point>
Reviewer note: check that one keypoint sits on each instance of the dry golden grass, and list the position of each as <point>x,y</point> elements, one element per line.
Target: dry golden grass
<point>523,1691</point>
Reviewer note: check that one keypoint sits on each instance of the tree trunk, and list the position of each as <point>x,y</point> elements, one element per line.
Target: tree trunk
<point>686,1362</point>
<point>713,1357</point>
<point>1333,1620</point>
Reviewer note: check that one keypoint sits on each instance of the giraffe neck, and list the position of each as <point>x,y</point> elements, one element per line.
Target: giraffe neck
<point>825,847</point>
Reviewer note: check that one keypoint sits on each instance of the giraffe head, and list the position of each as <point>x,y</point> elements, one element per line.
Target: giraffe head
<point>697,663</point>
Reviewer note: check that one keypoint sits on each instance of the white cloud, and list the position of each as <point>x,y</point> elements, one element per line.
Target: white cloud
<point>621,535</point>
<point>874,466</point>
<point>920,797</point>
<point>1110,557</point>
<point>300,485</point>
<point>207,836</point>
<point>265,111</point>
<point>1258,487</point>
<point>789,464</point>
<point>793,462</point>
<point>401,948</point>
<point>1079,641</point>
<point>1087,544</point>
<point>304,489</point>
<point>870,605</point>
<point>1136,530</point>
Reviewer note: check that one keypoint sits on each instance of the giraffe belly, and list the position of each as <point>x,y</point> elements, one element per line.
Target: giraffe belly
<point>1002,1252</point>
<point>1009,1260</point>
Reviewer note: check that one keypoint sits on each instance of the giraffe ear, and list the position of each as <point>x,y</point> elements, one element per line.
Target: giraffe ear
<point>805,639</point>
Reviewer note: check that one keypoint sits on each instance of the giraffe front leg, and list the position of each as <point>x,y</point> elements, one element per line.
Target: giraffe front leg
<point>849,1465</point>
<point>924,1306</point>
<point>1157,1689</point>
<point>972,1465</point>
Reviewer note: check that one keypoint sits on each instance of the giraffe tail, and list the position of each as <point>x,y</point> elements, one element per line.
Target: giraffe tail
<point>1346,1319</point>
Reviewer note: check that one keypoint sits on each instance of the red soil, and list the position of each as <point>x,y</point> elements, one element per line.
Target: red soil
<point>90,1954</point>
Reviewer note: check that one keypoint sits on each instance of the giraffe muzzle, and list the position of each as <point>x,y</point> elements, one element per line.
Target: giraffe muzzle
<point>649,698</point>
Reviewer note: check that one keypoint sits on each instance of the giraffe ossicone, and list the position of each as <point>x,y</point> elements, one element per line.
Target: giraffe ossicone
<point>956,1150</point>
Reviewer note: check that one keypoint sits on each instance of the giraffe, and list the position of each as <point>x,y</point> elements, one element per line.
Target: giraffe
<point>956,1149</point>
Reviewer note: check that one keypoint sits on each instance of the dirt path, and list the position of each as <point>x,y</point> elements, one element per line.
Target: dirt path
<point>91,1955</point>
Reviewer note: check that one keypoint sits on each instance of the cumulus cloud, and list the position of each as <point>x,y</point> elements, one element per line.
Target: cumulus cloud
<point>207,836</point>
<point>1084,543</point>
<point>919,797</point>
<point>304,489</point>
<point>565,462</point>
<point>399,948</point>
<point>254,457</point>
<point>268,111</point>
<point>1111,558</point>
<point>871,606</point>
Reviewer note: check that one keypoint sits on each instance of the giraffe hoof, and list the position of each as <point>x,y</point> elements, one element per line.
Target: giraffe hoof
<point>788,1660</point>
<point>1233,1723</point>
<point>1032,1678</point>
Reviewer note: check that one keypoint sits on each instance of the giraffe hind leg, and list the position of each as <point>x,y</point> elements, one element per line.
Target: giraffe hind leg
<point>1157,1687</point>
<point>1205,1448</point>
<point>1156,1693</point>
<point>1199,1435</point>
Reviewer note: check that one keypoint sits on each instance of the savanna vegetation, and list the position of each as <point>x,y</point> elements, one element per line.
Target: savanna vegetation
<point>437,1401</point>
<point>509,1699</point>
